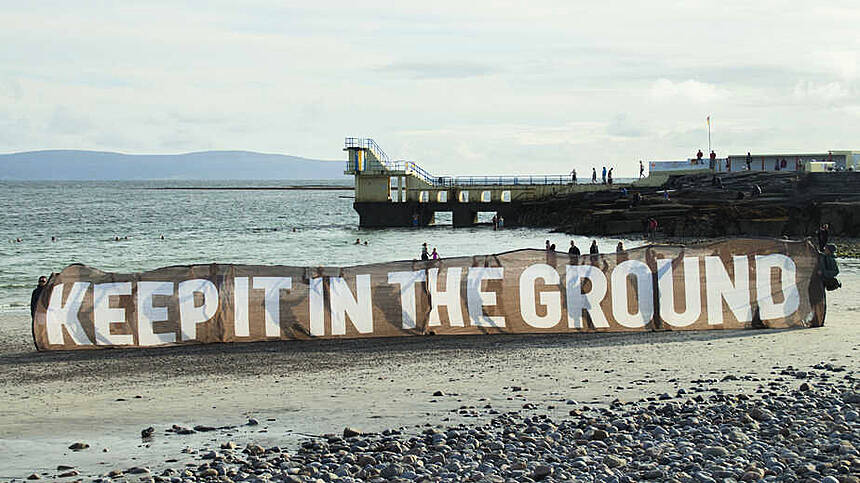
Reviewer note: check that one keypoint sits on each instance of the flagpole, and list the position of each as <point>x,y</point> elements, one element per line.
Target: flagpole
<point>709,134</point>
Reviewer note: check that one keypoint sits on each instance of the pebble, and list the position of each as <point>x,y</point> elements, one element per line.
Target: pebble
<point>782,433</point>
<point>78,446</point>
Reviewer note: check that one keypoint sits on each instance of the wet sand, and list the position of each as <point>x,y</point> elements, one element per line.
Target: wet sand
<point>105,398</point>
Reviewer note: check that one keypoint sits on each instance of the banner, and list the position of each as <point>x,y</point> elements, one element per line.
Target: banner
<point>729,284</point>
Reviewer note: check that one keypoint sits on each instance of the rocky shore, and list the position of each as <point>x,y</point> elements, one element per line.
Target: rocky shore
<point>789,205</point>
<point>799,424</point>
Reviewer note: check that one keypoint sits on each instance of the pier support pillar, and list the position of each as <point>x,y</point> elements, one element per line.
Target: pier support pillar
<point>464,217</point>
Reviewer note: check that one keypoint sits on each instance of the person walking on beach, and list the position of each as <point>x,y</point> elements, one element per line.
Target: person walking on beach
<point>604,175</point>
<point>435,254</point>
<point>641,170</point>
<point>34,298</point>
<point>593,176</point>
<point>425,255</point>
<point>609,176</point>
<point>547,245</point>
<point>573,176</point>
<point>593,249</point>
<point>495,222</point>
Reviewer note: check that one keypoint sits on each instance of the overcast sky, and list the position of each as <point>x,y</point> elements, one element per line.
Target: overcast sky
<point>462,87</point>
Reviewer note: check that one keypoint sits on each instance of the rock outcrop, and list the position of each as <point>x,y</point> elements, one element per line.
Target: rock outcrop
<point>790,204</point>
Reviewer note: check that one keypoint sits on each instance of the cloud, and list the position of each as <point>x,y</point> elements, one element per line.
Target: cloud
<point>829,92</point>
<point>622,126</point>
<point>690,90</point>
<point>437,70</point>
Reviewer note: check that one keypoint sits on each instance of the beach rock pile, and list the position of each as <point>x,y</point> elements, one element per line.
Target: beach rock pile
<point>802,425</point>
<point>791,204</point>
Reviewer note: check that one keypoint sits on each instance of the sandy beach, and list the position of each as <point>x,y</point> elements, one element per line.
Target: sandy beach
<point>49,401</point>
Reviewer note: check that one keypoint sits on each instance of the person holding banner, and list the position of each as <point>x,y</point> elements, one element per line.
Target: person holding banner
<point>34,298</point>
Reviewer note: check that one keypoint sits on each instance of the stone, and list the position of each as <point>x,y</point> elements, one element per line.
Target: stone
<point>137,470</point>
<point>147,432</point>
<point>715,451</point>
<point>438,393</point>
<point>350,432</point>
<point>69,474</point>
<point>252,422</point>
<point>79,446</point>
<point>542,471</point>
<point>34,476</point>
<point>613,461</point>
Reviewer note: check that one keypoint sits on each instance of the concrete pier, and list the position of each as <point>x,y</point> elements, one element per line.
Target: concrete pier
<point>401,194</point>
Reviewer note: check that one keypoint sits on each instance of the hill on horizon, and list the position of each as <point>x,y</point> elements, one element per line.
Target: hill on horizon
<point>82,165</point>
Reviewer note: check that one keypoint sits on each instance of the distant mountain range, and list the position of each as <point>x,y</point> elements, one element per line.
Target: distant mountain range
<point>205,165</point>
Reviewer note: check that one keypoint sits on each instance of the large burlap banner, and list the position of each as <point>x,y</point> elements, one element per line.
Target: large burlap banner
<point>729,284</point>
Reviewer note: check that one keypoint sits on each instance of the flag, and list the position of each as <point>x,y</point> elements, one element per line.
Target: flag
<point>708,120</point>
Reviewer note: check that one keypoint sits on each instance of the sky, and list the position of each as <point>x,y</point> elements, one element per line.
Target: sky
<point>462,88</point>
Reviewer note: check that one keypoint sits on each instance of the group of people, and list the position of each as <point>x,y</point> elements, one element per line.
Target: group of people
<point>606,176</point>
<point>428,255</point>
<point>498,222</point>
<point>359,242</point>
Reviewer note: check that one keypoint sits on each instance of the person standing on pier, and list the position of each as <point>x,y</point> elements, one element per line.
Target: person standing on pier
<point>749,161</point>
<point>593,175</point>
<point>604,175</point>
<point>641,170</point>
<point>573,176</point>
<point>713,157</point>
<point>609,176</point>
<point>425,255</point>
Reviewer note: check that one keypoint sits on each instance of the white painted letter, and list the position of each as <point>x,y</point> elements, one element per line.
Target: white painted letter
<point>692,292</point>
<point>191,315</point>
<point>59,315</point>
<point>720,286</point>
<point>359,309</point>
<point>551,299</point>
<point>407,281</point>
<point>147,314</point>
<point>316,301</point>
<point>272,295</point>
<point>104,314</point>
<point>644,294</point>
<point>764,264</point>
<point>241,327</point>
<point>476,299</point>
<point>577,301</point>
<point>449,298</point>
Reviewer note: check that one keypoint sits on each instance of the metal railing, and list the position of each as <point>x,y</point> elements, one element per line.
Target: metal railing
<point>503,180</point>
<point>370,145</point>
<point>410,167</point>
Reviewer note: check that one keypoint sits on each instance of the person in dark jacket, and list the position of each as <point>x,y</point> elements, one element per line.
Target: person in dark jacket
<point>829,268</point>
<point>34,298</point>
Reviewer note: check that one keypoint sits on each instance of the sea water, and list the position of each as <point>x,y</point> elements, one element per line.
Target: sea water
<point>270,227</point>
